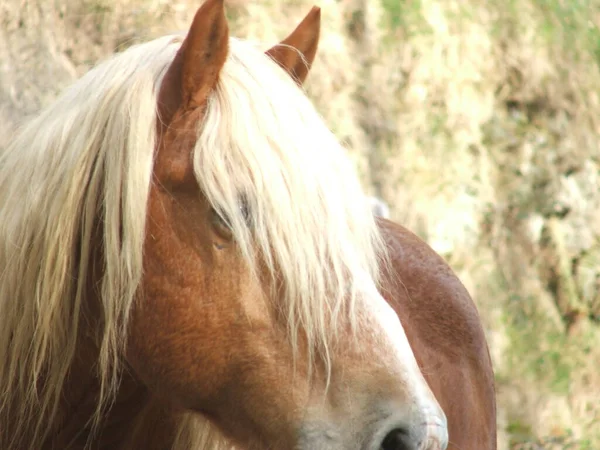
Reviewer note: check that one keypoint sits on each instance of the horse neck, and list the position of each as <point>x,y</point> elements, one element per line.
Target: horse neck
<point>136,418</point>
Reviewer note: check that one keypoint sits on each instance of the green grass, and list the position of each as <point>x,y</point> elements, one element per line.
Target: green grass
<point>405,15</point>
<point>570,25</point>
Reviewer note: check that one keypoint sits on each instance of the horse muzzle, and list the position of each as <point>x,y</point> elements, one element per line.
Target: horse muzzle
<point>425,430</point>
<point>429,434</point>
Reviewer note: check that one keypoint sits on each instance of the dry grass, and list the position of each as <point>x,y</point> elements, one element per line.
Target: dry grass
<point>476,121</point>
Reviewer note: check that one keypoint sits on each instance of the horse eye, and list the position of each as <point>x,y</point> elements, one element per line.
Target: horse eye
<point>221,224</point>
<point>245,211</point>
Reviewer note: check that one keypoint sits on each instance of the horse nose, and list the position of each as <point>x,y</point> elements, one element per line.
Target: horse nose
<point>398,439</point>
<point>429,435</point>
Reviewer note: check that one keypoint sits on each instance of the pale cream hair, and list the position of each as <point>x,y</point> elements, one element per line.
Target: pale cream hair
<point>264,159</point>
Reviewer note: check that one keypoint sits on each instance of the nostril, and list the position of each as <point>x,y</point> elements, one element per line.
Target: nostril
<point>398,439</point>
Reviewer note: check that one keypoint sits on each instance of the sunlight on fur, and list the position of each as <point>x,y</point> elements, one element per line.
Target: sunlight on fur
<point>263,143</point>
<point>89,156</point>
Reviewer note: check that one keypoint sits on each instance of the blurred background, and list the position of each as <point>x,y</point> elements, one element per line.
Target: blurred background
<point>477,121</point>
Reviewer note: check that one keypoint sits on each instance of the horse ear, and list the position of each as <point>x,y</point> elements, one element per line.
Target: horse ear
<point>195,69</point>
<point>304,39</point>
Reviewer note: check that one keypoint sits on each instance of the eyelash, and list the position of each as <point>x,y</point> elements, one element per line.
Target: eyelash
<point>221,220</point>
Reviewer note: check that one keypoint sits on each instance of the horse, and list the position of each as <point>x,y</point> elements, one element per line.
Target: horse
<point>184,265</point>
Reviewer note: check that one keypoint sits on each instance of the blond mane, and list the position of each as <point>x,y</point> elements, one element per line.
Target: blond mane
<point>264,159</point>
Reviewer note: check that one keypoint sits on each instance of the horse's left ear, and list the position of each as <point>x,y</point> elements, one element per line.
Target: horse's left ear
<point>195,69</point>
<point>204,52</point>
<point>297,52</point>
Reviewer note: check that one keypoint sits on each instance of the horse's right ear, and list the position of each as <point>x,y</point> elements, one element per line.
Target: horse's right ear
<point>195,69</point>
<point>297,52</point>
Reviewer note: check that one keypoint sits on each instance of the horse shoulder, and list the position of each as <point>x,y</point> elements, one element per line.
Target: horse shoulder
<point>444,329</point>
